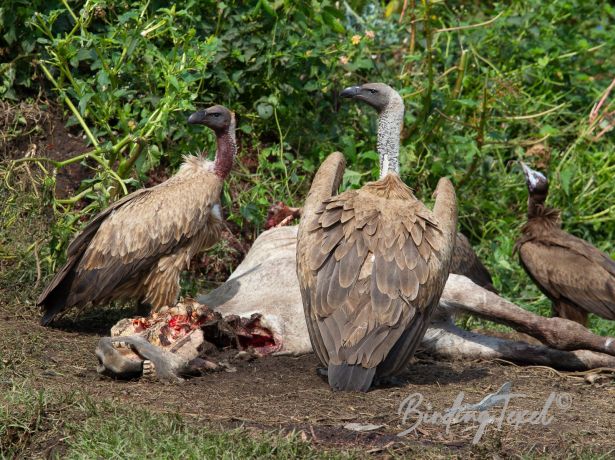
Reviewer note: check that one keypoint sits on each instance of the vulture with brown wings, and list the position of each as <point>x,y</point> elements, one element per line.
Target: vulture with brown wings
<point>578,278</point>
<point>372,262</point>
<point>465,262</point>
<point>138,246</point>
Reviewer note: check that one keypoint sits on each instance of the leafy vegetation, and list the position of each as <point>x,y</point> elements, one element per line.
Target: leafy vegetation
<point>484,85</point>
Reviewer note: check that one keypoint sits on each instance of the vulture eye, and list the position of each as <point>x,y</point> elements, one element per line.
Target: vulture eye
<point>215,114</point>
<point>373,91</point>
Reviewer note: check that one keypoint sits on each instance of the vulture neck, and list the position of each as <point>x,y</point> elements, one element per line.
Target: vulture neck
<point>389,131</point>
<point>540,215</point>
<point>225,151</point>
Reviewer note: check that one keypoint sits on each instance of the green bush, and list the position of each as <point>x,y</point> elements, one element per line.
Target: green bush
<point>482,83</point>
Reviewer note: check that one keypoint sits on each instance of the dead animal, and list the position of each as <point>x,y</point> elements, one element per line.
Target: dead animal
<point>578,278</point>
<point>138,246</point>
<point>372,262</point>
<point>265,286</point>
<point>181,341</point>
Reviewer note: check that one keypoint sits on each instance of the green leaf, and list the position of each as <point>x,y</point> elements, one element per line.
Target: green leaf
<point>565,178</point>
<point>370,155</point>
<point>352,178</point>
<point>332,22</point>
<point>83,102</point>
<point>103,79</point>
<point>269,8</point>
<point>173,81</point>
<point>264,110</point>
<point>250,212</point>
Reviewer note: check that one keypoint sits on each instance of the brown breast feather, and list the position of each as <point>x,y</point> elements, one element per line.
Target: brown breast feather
<point>373,255</point>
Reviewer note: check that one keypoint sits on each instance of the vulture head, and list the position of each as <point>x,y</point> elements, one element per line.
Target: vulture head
<point>217,117</point>
<point>537,183</point>
<point>390,107</point>
<point>377,95</point>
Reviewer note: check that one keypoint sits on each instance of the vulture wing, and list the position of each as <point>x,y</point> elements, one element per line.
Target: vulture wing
<point>125,241</point>
<point>77,247</point>
<point>376,267</point>
<point>326,183</point>
<point>566,267</point>
<point>465,262</point>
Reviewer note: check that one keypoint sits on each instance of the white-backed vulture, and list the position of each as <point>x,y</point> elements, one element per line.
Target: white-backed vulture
<point>372,262</point>
<point>138,247</point>
<point>578,278</point>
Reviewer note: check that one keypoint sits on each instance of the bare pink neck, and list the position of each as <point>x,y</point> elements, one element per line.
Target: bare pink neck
<point>225,152</point>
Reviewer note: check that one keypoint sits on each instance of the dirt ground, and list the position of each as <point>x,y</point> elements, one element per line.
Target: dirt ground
<point>287,393</point>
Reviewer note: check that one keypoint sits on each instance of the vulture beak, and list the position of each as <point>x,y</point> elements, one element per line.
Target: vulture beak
<point>351,91</point>
<point>197,118</point>
<point>533,178</point>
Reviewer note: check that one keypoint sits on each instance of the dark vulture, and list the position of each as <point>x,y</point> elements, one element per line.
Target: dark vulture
<point>465,262</point>
<point>138,247</point>
<point>372,262</point>
<point>578,278</point>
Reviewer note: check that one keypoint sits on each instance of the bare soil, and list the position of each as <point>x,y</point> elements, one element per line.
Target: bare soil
<point>36,129</point>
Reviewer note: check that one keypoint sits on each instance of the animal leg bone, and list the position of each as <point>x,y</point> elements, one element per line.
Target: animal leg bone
<point>445,340</point>
<point>462,294</point>
<point>150,360</point>
<point>113,359</point>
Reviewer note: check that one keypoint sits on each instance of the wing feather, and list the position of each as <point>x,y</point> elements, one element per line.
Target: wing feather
<point>124,242</point>
<point>371,257</point>
<point>567,267</point>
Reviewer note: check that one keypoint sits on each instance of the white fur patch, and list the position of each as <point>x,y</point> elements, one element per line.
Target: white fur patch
<point>215,210</point>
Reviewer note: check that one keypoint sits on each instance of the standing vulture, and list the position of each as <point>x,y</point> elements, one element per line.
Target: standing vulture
<point>372,262</point>
<point>578,278</point>
<point>138,246</point>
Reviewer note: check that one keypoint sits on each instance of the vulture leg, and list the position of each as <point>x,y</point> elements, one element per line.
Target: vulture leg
<point>444,340</point>
<point>562,309</point>
<point>562,334</point>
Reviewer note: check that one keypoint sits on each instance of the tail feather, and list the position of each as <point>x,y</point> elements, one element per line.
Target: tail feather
<point>53,300</point>
<point>350,377</point>
<point>49,312</point>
